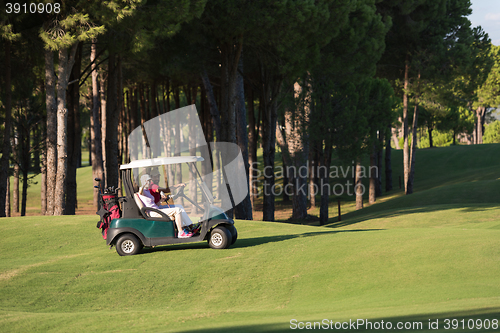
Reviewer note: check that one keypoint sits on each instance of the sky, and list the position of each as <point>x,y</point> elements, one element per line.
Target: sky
<point>486,13</point>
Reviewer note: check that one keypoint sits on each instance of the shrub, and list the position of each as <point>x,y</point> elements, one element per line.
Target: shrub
<point>439,139</point>
<point>492,132</point>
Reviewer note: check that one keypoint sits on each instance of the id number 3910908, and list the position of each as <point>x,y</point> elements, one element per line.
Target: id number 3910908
<point>32,8</point>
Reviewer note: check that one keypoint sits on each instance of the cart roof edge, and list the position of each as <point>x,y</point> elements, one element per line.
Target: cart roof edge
<point>151,162</point>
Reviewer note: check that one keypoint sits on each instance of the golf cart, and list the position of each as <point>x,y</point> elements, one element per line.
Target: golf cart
<point>142,226</point>
<point>164,145</point>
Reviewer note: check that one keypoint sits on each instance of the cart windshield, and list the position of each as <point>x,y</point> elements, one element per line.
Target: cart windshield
<point>172,149</point>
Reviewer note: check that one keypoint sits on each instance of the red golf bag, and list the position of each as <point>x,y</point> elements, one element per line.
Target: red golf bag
<point>110,209</point>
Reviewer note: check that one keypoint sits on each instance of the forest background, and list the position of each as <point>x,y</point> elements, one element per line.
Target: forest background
<point>314,80</point>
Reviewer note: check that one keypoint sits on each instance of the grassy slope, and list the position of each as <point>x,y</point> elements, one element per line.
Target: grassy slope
<point>459,176</point>
<point>432,255</point>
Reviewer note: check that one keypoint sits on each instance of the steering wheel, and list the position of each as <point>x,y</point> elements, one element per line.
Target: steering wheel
<point>180,193</point>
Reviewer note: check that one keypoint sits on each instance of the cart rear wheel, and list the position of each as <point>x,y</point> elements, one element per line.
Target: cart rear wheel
<point>220,238</point>
<point>128,245</point>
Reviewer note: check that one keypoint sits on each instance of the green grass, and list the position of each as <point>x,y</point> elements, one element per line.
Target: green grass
<point>58,275</point>
<point>429,256</point>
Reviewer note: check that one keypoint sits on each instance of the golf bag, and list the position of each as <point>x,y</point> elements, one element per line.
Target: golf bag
<point>110,209</point>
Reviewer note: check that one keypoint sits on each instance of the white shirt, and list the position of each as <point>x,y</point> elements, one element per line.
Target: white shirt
<point>147,199</point>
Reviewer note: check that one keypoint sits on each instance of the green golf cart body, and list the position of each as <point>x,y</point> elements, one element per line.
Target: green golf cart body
<point>138,228</point>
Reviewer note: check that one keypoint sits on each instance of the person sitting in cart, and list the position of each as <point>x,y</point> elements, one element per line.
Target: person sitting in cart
<point>158,192</point>
<point>175,212</point>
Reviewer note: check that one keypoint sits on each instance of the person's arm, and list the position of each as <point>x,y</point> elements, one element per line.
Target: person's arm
<point>141,190</point>
<point>164,189</point>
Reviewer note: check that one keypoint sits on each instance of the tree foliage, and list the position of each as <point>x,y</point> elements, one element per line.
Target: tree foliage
<point>350,59</point>
<point>492,132</point>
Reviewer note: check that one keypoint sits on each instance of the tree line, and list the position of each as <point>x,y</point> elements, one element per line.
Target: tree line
<point>312,79</point>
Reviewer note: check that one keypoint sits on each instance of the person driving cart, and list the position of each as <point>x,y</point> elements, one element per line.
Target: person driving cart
<point>185,226</point>
<point>159,192</point>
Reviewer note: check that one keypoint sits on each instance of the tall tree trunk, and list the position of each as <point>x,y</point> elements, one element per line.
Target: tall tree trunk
<point>358,186</point>
<point>206,121</point>
<point>409,186</point>
<point>74,133</point>
<point>388,163</point>
<point>395,138</point>
<point>286,179</point>
<point>295,147</point>
<point>269,119</point>
<point>324,180</point>
<point>230,55</point>
<point>252,148</point>
<point>134,119</point>
<point>103,77</point>
<point>128,124</point>
<point>480,112</point>
<point>323,145</point>
<point>43,182</point>
<point>311,180</point>
<point>70,203</point>
<point>112,119</point>
<point>15,177</point>
<point>154,100</point>
<point>244,208</point>
<point>192,140</point>
<point>373,176</point>
<point>25,158</point>
<point>380,153</point>
<point>214,124</point>
<point>37,140</point>
<point>177,137</point>
<point>4,160</point>
<point>65,65</point>
<point>95,128</point>
<point>51,141</point>
<point>122,124</point>
<point>406,153</point>
<point>431,142</point>
<point>7,198</point>
<point>212,102</point>
<point>170,149</point>
<point>270,92</point>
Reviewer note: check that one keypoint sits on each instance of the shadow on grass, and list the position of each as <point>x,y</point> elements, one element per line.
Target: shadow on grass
<point>480,320</point>
<point>365,214</point>
<point>250,242</point>
<point>361,216</point>
<point>469,196</point>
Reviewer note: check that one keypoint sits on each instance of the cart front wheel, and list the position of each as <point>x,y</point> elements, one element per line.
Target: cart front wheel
<point>220,238</point>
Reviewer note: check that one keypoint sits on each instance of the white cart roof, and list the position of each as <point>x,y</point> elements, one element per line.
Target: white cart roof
<point>161,161</point>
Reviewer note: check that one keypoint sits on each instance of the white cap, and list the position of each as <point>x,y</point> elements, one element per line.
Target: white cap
<point>144,179</point>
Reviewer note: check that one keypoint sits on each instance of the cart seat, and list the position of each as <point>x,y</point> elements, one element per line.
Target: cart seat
<point>148,212</point>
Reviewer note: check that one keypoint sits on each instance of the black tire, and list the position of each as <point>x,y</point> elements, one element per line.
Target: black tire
<point>233,231</point>
<point>220,238</point>
<point>128,245</point>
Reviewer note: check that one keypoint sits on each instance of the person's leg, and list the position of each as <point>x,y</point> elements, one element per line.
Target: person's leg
<point>179,213</point>
<point>174,213</point>
<point>186,221</point>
